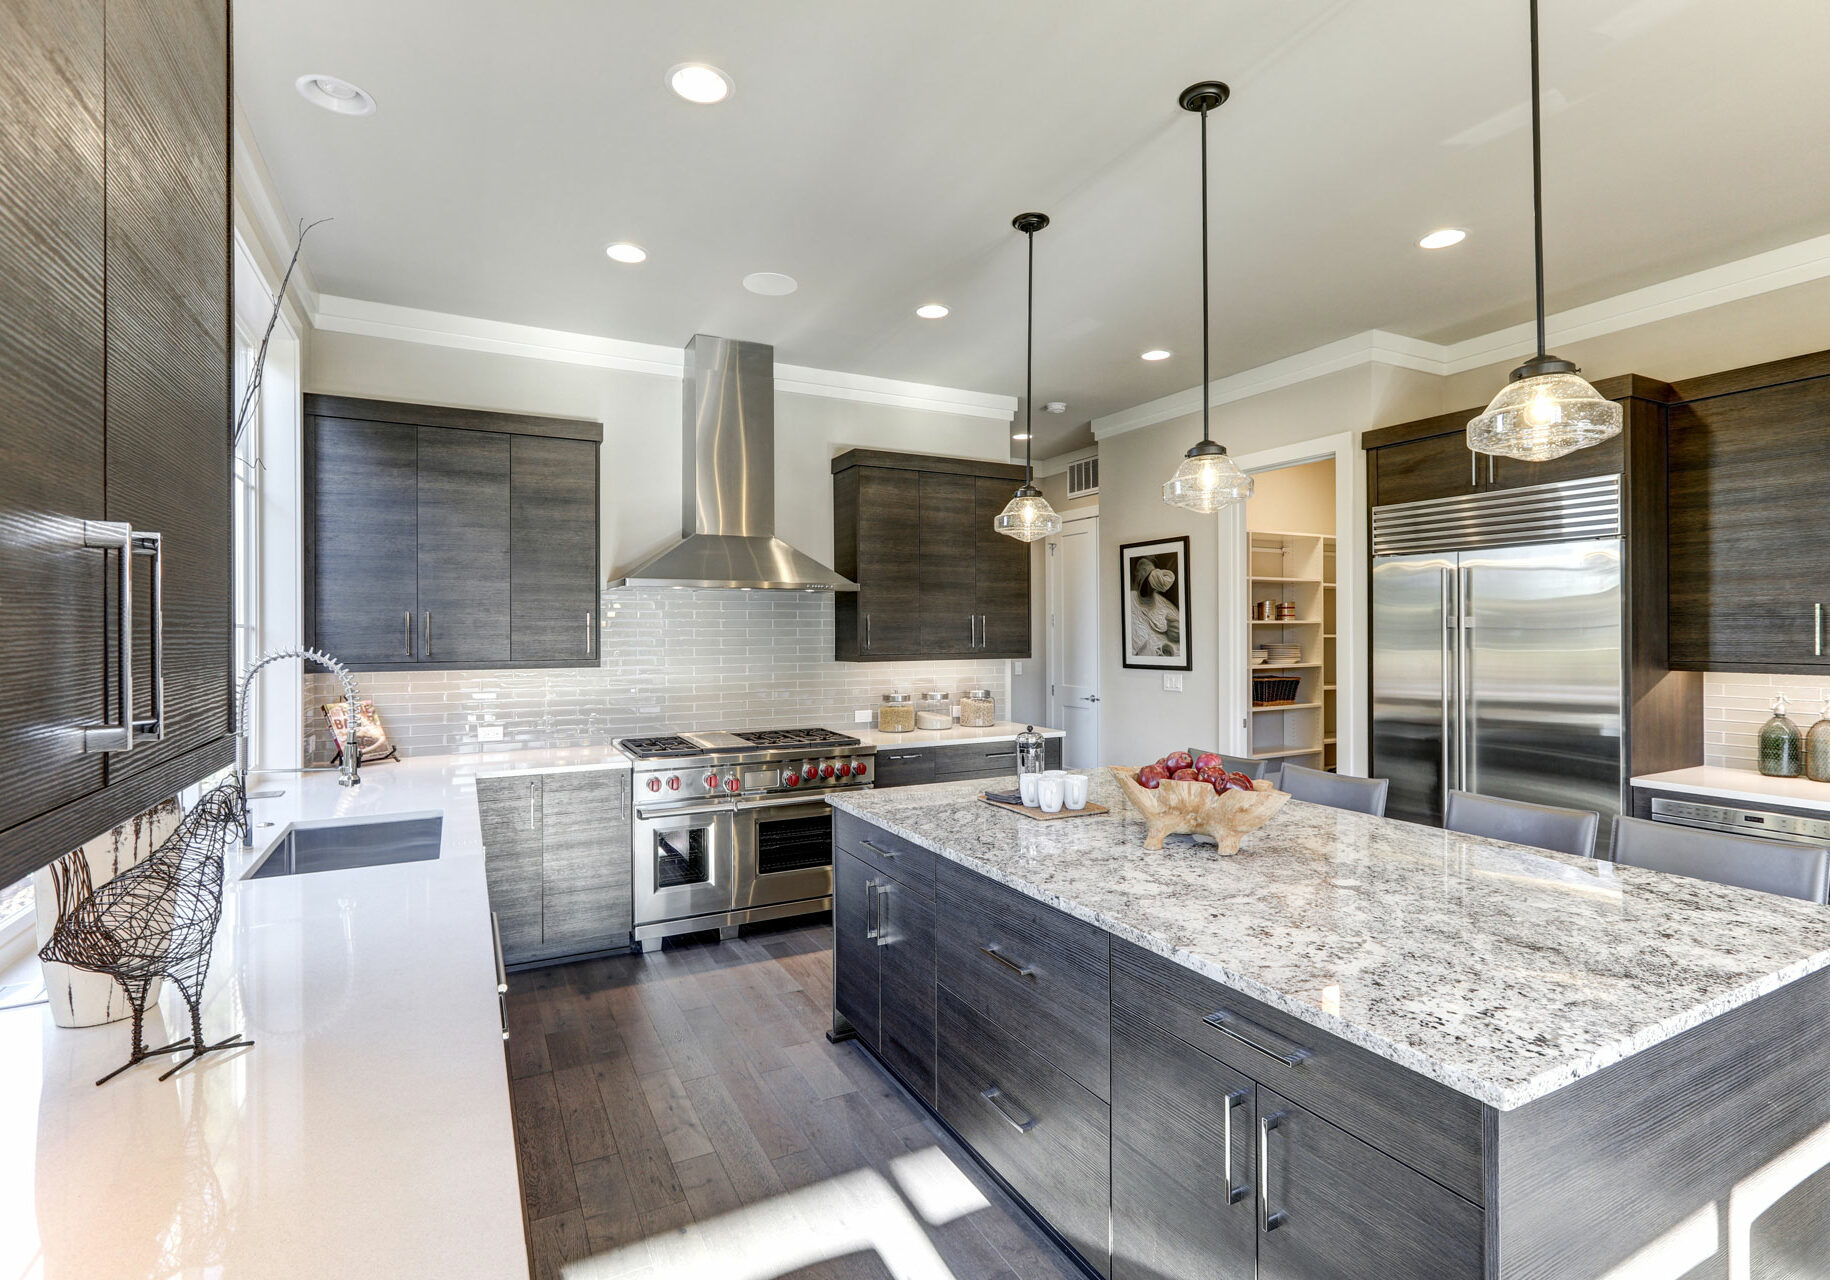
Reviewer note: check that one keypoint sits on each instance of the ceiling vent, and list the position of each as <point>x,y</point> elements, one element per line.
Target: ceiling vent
<point>1083,478</point>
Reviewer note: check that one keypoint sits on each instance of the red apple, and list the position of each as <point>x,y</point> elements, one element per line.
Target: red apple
<point>1209,774</point>
<point>1151,776</point>
<point>1210,760</point>
<point>1243,781</point>
<point>1178,760</point>
<point>1186,775</point>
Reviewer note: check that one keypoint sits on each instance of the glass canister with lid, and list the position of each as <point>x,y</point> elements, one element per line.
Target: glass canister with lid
<point>977,709</point>
<point>933,710</point>
<point>1781,745</point>
<point>897,713</point>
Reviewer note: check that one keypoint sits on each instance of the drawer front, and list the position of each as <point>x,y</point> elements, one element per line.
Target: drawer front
<point>895,857</point>
<point>1025,967</point>
<point>903,767</point>
<point>1428,1126</point>
<point>975,760</point>
<point>1043,1134</point>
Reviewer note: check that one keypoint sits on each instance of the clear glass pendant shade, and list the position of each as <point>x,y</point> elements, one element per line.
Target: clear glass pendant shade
<point>1207,481</point>
<point>1027,517</point>
<point>1546,416</point>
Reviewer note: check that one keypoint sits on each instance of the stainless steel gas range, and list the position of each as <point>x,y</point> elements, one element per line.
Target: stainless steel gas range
<point>731,828</point>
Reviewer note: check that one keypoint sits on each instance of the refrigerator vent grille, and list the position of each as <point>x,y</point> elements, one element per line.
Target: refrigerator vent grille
<point>1563,512</point>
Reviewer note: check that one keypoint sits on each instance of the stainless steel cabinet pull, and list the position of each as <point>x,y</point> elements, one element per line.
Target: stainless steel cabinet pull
<point>1008,1110</point>
<point>495,929</point>
<point>1000,755</point>
<point>888,853</point>
<point>112,535</point>
<point>588,621</point>
<point>1492,473</point>
<point>1474,470</point>
<point>425,632</point>
<point>913,755</point>
<point>152,729</point>
<point>1234,1192</point>
<point>870,910</point>
<point>883,915</point>
<point>984,631</point>
<point>1818,648</point>
<point>1021,970</point>
<point>867,628</point>
<point>1448,675</point>
<point>1222,1021</point>
<point>406,634</point>
<point>1268,1218</point>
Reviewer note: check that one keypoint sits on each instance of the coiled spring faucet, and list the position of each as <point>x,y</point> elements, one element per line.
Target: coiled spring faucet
<point>351,768</point>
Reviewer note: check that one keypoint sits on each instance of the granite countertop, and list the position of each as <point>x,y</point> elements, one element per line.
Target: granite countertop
<point>1711,782</point>
<point>1002,731</point>
<point>1502,971</point>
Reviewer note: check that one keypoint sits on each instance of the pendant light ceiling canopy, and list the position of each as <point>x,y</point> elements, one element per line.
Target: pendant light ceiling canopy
<point>1207,479</point>
<point>1547,409</point>
<point>1028,517</point>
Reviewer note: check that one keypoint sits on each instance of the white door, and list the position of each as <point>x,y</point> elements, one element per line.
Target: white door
<point>1073,640</point>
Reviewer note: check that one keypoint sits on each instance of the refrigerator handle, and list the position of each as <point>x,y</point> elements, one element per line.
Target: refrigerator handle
<point>1449,685</point>
<point>1464,682</point>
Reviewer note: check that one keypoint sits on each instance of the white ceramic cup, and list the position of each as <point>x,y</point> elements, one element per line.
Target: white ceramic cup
<point>1074,791</point>
<point>1049,794</point>
<point>1026,785</point>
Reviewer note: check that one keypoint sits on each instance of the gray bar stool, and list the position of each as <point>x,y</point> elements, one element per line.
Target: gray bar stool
<point>1771,866</point>
<point>1542,826</point>
<point>1244,764</point>
<point>1317,786</point>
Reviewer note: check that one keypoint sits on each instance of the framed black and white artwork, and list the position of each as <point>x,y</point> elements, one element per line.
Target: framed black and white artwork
<point>1153,589</point>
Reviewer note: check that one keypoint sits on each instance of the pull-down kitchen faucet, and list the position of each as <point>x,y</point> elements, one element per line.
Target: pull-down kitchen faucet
<point>350,769</point>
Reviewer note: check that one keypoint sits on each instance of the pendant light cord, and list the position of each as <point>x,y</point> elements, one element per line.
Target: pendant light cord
<point>1029,366</point>
<point>1206,343</point>
<point>1537,176</point>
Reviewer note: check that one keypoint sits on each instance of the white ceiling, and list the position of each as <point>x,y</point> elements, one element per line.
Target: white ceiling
<point>877,151</point>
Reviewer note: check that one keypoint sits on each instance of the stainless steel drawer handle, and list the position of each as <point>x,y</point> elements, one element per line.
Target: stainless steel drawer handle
<point>1818,647</point>
<point>1000,755</point>
<point>152,729</point>
<point>1235,1192</point>
<point>913,755</point>
<point>1268,1218</point>
<point>1226,1023</point>
<point>1021,970</point>
<point>112,535</point>
<point>406,635</point>
<point>877,848</point>
<point>588,621</point>
<point>1007,1110</point>
<point>425,630</point>
<point>495,931</point>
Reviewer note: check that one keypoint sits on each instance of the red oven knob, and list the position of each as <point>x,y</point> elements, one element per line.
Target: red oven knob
<point>859,769</point>
<point>809,773</point>
<point>826,771</point>
<point>654,784</point>
<point>711,782</point>
<point>673,782</point>
<point>793,779</point>
<point>732,783</point>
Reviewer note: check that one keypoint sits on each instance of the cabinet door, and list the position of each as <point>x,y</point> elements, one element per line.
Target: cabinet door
<point>889,562</point>
<point>362,561</point>
<point>854,944</point>
<point>168,353</point>
<point>585,891</point>
<point>1434,467</point>
<point>462,544</point>
<point>1184,1160</point>
<point>553,614</point>
<point>1334,1208</point>
<point>1001,577</point>
<point>949,583</point>
<point>51,353</point>
<point>905,937</point>
<point>508,810</point>
<point>1604,459</point>
<point>1749,546</point>
<point>904,768</point>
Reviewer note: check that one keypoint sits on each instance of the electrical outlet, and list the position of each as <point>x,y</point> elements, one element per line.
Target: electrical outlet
<point>1172,684</point>
<point>489,733</point>
<point>1016,668</point>
<point>861,717</point>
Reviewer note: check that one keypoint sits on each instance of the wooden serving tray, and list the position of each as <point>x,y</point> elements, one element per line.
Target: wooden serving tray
<point>1030,811</point>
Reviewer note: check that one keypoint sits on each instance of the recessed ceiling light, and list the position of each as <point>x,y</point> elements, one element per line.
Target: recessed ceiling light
<point>1021,435</point>
<point>771,284</point>
<point>335,95</point>
<point>931,311</point>
<point>1156,353</point>
<point>623,251</point>
<point>1443,239</point>
<point>697,82</point>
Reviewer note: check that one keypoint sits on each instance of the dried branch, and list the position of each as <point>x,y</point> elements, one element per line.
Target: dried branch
<point>251,394</point>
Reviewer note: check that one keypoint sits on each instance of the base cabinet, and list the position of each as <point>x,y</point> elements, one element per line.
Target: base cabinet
<point>912,766</point>
<point>556,856</point>
<point>883,932</point>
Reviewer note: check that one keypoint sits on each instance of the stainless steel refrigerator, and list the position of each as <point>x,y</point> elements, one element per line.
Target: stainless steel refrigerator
<point>1497,649</point>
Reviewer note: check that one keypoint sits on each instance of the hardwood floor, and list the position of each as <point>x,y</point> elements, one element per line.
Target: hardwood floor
<point>681,1114</point>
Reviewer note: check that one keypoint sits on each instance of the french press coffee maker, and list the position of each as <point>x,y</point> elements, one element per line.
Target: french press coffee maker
<point>1031,751</point>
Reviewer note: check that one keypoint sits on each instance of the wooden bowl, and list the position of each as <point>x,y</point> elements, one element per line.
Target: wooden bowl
<point>1195,808</point>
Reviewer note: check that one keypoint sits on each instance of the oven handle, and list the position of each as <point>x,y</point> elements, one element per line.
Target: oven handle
<point>744,806</point>
<point>661,815</point>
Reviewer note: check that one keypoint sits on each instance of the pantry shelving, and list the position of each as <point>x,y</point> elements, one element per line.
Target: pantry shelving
<point>1297,571</point>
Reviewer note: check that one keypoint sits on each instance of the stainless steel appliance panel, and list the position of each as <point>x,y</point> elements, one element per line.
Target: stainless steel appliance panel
<point>1539,645</point>
<point>784,852</point>
<point>685,862</point>
<point>1413,722</point>
<point>1765,824</point>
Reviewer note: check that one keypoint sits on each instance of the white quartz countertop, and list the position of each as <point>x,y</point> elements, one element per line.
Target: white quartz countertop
<point>1003,731</point>
<point>508,764</point>
<point>1502,971</point>
<point>1741,784</point>
<point>366,1134</point>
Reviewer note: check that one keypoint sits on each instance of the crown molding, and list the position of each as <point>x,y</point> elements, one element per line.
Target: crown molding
<point>267,234</point>
<point>469,333</point>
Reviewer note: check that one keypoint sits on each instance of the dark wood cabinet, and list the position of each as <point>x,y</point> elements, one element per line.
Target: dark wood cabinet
<point>914,531</point>
<point>883,939</point>
<point>114,406</point>
<point>1750,547</point>
<point>449,538</point>
<point>1431,459</point>
<point>912,766</point>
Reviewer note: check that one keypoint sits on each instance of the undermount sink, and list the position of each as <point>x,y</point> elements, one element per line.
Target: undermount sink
<point>339,846</point>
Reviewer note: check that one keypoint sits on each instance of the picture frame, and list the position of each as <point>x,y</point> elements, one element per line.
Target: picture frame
<point>1153,605</point>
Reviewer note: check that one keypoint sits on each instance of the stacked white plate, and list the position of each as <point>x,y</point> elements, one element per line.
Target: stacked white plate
<point>1280,655</point>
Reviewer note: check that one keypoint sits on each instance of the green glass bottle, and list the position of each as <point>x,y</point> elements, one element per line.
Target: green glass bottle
<point>1781,745</point>
<point>1817,748</point>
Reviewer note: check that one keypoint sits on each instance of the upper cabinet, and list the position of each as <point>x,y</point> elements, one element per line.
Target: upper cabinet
<point>114,413</point>
<point>934,579</point>
<point>1750,547</point>
<point>449,538</point>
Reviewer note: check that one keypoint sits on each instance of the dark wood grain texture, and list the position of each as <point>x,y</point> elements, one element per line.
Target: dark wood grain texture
<point>553,550</point>
<point>928,462</point>
<point>876,516</point>
<point>855,952</point>
<point>585,873</point>
<point>51,416</point>
<point>905,978</point>
<point>356,408</point>
<point>904,766</point>
<point>1000,576</point>
<point>888,852</point>
<point>947,547</point>
<point>462,512</point>
<point>362,531</point>
<point>911,766</point>
<point>508,810</point>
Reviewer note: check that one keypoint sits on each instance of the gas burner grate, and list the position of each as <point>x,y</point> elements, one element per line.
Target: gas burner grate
<point>667,744</point>
<point>795,738</point>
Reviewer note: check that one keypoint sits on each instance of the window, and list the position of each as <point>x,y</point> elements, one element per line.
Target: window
<point>249,473</point>
<point>15,910</point>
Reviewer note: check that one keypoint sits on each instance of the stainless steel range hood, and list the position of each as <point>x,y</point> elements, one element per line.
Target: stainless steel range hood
<point>728,517</point>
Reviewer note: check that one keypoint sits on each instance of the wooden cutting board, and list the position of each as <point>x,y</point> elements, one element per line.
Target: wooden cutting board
<point>1030,811</point>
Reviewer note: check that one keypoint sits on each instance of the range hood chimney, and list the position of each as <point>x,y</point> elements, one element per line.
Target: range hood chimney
<point>728,516</point>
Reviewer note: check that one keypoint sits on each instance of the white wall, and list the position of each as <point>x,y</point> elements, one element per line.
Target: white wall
<point>1295,499</point>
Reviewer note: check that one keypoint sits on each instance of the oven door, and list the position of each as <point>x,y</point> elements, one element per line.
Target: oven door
<point>685,862</point>
<point>784,851</point>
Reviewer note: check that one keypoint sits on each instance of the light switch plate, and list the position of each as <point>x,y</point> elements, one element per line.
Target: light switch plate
<point>489,733</point>
<point>861,717</point>
<point>1016,668</point>
<point>1172,684</point>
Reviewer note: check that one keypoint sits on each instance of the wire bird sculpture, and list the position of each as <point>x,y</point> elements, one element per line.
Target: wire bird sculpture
<point>157,919</point>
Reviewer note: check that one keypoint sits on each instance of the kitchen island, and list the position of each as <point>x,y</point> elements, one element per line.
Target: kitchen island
<point>1361,1047</point>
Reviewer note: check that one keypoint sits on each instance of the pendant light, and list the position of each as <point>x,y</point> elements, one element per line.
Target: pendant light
<point>1547,409</point>
<point>1028,516</point>
<point>1207,479</point>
